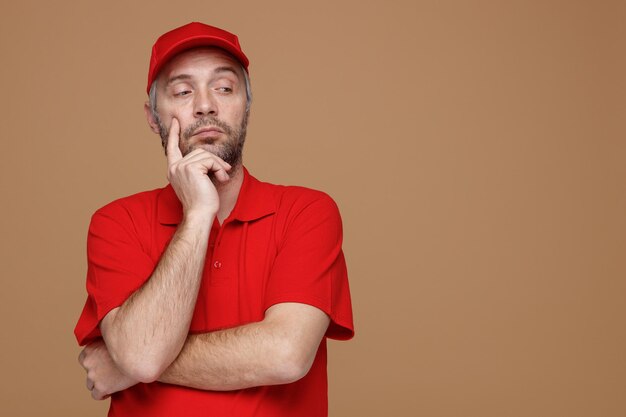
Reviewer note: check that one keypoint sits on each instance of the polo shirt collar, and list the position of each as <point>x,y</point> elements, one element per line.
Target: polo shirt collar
<point>254,201</point>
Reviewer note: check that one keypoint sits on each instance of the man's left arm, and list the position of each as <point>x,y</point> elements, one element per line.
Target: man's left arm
<point>280,349</point>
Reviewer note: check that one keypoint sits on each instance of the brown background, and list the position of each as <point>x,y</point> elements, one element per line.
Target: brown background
<point>476,150</point>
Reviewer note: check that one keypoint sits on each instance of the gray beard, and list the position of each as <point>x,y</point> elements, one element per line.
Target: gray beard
<point>231,151</point>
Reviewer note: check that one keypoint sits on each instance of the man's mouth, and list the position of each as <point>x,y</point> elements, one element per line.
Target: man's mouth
<point>208,132</point>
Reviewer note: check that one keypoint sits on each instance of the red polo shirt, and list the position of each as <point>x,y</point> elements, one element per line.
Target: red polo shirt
<point>279,244</point>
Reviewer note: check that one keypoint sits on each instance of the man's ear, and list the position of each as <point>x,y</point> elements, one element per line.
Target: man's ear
<point>154,126</point>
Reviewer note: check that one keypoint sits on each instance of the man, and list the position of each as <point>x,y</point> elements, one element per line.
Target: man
<point>213,295</point>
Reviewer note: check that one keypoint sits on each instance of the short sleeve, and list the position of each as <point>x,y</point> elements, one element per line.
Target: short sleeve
<point>310,267</point>
<point>117,265</point>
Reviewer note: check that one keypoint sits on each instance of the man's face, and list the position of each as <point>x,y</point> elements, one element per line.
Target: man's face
<point>205,90</point>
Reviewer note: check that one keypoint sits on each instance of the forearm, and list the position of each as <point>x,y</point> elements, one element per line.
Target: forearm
<point>278,350</point>
<point>224,360</point>
<point>147,332</point>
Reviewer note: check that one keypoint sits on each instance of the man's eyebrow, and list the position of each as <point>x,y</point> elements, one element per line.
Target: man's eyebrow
<point>178,77</point>
<point>225,69</point>
<point>188,77</point>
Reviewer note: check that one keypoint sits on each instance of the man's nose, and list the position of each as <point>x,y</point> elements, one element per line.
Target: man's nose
<point>204,104</point>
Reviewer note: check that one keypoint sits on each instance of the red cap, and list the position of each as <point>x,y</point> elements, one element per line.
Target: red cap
<point>190,36</point>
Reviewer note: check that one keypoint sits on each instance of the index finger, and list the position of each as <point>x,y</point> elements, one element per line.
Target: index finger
<point>173,151</point>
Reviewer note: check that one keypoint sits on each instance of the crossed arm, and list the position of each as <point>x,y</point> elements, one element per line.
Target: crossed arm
<point>277,350</point>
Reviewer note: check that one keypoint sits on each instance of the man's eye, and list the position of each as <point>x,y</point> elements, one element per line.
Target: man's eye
<point>182,93</point>
<point>225,89</point>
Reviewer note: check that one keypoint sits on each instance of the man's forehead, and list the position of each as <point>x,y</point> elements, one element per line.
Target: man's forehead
<point>204,59</point>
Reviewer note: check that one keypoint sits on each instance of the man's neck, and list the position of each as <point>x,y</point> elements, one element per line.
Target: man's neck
<point>228,192</point>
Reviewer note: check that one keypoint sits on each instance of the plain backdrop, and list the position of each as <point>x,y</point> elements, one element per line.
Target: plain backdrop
<point>476,150</point>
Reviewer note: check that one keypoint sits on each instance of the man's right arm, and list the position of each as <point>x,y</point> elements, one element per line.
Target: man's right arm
<point>145,334</point>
